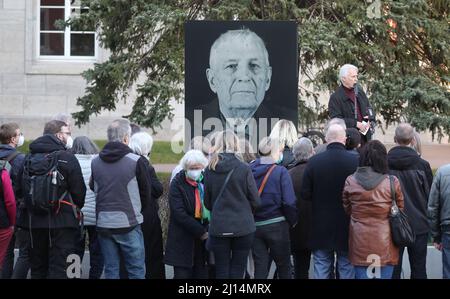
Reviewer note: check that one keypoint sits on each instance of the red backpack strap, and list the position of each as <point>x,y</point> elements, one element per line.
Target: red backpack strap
<point>266,177</point>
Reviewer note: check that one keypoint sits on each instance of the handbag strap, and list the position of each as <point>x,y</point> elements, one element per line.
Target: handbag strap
<point>266,177</point>
<point>223,186</point>
<point>394,196</point>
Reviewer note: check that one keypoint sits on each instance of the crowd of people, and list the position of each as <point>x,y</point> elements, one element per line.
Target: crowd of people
<point>233,210</point>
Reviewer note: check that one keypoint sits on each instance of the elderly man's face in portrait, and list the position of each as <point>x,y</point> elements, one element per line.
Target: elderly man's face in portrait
<point>240,75</point>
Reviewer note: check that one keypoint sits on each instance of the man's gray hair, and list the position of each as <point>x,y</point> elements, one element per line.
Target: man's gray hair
<point>335,121</point>
<point>118,130</point>
<point>141,143</point>
<point>335,133</point>
<point>242,34</point>
<point>303,149</point>
<point>404,134</point>
<point>64,117</point>
<point>193,157</point>
<point>344,70</point>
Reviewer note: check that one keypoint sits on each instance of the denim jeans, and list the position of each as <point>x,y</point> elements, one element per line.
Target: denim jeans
<point>131,246</point>
<point>385,272</point>
<point>323,264</point>
<point>446,255</point>
<point>417,254</point>
<point>22,266</point>
<point>231,255</point>
<point>95,253</point>
<point>274,238</point>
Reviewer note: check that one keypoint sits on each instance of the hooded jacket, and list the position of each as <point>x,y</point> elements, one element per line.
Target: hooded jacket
<point>278,197</point>
<point>122,184</point>
<point>232,213</point>
<point>415,177</point>
<point>367,199</point>
<point>70,169</point>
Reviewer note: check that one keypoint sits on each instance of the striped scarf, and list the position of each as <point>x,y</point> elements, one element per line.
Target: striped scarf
<point>200,211</point>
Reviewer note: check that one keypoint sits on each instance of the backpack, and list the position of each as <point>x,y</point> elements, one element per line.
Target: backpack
<point>41,181</point>
<point>5,166</point>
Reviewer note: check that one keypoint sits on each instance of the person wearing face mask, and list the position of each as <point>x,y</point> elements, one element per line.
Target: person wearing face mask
<point>11,138</point>
<point>188,224</point>
<point>277,212</point>
<point>52,233</point>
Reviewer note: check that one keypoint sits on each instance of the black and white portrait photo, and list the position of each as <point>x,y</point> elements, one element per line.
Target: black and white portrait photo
<point>241,76</point>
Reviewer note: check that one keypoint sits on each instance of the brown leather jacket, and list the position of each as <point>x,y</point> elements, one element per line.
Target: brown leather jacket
<point>369,206</point>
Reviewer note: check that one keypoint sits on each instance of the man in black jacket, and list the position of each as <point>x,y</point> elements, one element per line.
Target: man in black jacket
<point>323,183</point>
<point>342,103</point>
<point>53,234</point>
<point>415,177</point>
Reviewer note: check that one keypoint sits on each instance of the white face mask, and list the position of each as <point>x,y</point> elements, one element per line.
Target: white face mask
<point>194,174</point>
<point>69,143</point>
<point>21,141</point>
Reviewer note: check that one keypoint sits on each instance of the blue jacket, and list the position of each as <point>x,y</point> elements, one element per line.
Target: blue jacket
<point>278,197</point>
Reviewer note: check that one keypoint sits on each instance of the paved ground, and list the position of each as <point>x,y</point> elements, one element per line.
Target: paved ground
<point>434,265</point>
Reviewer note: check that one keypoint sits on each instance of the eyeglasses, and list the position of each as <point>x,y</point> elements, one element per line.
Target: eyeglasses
<point>68,133</point>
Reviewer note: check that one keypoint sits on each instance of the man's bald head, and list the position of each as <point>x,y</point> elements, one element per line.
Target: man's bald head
<point>335,133</point>
<point>404,134</point>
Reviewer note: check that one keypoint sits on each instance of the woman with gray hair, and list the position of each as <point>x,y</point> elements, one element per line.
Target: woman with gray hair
<point>302,150</point>
<point>85,150</point>
<point>189,219</point>
<point>141,143</point>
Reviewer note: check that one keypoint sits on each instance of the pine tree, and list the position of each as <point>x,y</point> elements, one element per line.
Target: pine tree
<point>401,48</point>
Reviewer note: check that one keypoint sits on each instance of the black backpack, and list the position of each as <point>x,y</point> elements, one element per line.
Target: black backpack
<point>41,181</point>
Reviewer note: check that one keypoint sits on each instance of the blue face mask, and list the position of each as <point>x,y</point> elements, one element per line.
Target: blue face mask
<point>280,159</point>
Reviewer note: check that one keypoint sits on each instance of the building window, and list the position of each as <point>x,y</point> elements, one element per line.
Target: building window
<point>67,43</point>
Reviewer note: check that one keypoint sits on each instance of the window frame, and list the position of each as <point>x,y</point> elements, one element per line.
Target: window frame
<point>67,36</point>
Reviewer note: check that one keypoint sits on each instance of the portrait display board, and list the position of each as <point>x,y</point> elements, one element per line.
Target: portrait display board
<point>241,76</point>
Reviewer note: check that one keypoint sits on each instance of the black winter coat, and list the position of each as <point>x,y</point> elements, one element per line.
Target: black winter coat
<point>232,214</point>
<point>415,177</point>
<point>341,106</point>
<point>301,233</point>
<point>70,169</point>
<point>323,183</point>
<point>184,229</point>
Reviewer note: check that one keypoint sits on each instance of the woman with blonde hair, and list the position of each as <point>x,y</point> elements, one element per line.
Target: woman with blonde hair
<point>286,133</point>
<point>232,197</point>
